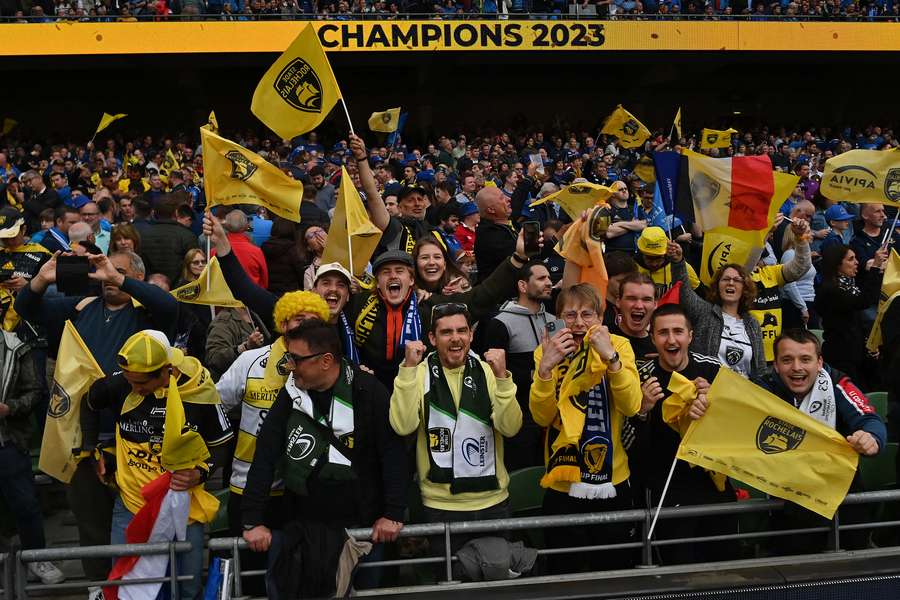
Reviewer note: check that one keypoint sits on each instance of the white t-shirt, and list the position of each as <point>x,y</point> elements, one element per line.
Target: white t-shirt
<point>735,351</point>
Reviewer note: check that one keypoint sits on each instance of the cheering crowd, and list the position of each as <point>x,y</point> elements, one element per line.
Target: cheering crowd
<point>48,11</point>
<point>467,351</point>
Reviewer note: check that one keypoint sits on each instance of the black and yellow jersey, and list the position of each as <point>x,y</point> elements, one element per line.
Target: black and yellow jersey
<point>23,261</point>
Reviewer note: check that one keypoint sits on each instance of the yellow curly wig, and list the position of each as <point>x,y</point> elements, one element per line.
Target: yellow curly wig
<point>293,303</point>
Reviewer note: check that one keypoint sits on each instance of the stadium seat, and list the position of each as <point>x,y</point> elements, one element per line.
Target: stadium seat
<point>525,492</point>
<point>879,401</point>
<point>819,333</point>
<point>879,472</point>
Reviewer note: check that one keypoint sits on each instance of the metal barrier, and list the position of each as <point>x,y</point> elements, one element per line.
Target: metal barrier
<point>7,592</point>
<point>23,557</point>
<point>642,516</point>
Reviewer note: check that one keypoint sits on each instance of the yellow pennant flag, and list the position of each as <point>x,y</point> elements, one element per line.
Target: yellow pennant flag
<point>209,288</point>
<point>234,175</point>
<point>626,127</point>
<point>213,122</point>
<point>75,371</point>
<point>8,125</point>
<point>386,121</point>
<point>182,448</point>
<point>299,89</point>
<point>754,436</point>
<point>578,197</point>
<point>863,176</point>
<point>890,289</point>
<point>713,138</point>
<point>170,163</point>
<point>352,237</point>
<point>677,123</point>
<point>106,120</point>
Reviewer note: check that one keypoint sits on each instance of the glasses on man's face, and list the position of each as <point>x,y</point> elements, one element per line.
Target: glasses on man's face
<point>448,308</point>
<point>296,359</point>
<point>735,280</point>
<point>586,315</point>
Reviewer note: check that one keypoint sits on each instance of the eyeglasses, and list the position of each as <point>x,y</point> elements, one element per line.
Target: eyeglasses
<point>296,359</point>
<point>90,214</point>
<point>586,315</point>
<point>447,309</point>
<point>732,280</point>
<point>198,262</point>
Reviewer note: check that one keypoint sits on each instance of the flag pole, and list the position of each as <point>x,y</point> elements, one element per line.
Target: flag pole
<point>662,499</point>
<point>887,234</point>
<point>347,114</point>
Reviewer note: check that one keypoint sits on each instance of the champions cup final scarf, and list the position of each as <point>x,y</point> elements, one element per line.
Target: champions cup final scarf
<point>582,452</point>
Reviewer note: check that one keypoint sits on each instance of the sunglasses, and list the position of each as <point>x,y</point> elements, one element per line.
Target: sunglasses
<point>448,308</point>
<point>296,359</point>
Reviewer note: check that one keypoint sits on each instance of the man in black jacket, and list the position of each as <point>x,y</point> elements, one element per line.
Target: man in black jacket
<point>495,238</point>
<point>342,463</point>
<point>165,241</point>
<point>38,198</point>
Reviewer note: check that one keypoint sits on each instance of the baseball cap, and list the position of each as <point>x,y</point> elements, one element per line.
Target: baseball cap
<point>409,189</point>
<point>147,351</point>
<point>836,212</point>
<point>11,222</point>
<point>333,267</point>
<point>425,177</point>
<point>392,256</point>
<point>467,208</point>
<point>653,241</point>
<point>393,189</point>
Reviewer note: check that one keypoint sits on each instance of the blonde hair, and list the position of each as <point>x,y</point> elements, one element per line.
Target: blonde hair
<point>293,303</point>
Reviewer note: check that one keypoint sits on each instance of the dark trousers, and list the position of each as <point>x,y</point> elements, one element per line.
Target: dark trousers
<point>559,503</point>
<point>17,487</point>
<point>253,561</point>
<point>92,502</point>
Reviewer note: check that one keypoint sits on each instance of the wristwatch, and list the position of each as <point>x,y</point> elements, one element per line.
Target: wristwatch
<point>612,359</point>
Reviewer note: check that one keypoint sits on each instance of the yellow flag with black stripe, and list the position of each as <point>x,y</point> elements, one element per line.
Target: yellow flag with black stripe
<point>209,288</point>
<point>170,163</point>
<point>234,175</point>
<point>677,123</point>
<point>106,120</point>
<point>386,121</point>
<point>76,370</point>
<point>890,290</point>
<point>756,437</point>
<point>713,138</point>
<point>352,237</point>
<point>625,126</point>
<point>299,89</point>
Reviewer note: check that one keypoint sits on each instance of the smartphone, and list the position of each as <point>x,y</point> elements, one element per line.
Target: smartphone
<point>532,231</point>
<point>554,326</point>
<point>72,275</point>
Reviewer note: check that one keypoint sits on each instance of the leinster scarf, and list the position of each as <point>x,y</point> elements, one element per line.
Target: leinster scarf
<point>348,340</point>
<point>460,442</point>
<point>582,452</point>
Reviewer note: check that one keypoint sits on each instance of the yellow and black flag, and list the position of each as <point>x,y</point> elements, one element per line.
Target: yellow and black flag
<point>713,138</point>
<point>209,288</point>
<point>106,120</point>
<point>170,163</point>
<point>234,175</point>
<point>862,176</point>
<point>890,290</point>
<point>677,123</point>
<point>385,122</point>
<point>352,237</point>
<point>299,89</point>
<point>625,126</point>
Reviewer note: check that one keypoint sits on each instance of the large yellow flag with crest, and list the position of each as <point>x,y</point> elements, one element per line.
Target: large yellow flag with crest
<point>713,138</point>
<point>578,197</point>
<point>75,371</point>
<point>625,126</point>
<point>752,435</point>
<point>299,89</point>
<point>890,289</point>
<point>352,237</point>
<point>234,175</point>
<point>209,288</point>
<point>863,176</point>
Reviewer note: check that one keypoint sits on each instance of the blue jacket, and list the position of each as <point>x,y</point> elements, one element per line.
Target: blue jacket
<point>853,409</point>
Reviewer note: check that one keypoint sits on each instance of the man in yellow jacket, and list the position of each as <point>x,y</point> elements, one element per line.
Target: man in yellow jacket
<point>462,407</point>
<point>585,384</point>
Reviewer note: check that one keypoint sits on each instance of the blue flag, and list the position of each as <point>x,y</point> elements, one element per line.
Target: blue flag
<point>668,169</point>
<point>394,136</point>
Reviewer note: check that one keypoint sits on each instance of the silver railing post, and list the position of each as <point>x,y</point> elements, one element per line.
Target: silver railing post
<point>236,561</point>
<point>173,573</point>
<point>447,553</point>
<point>836,530</point>
<point>21,576</point>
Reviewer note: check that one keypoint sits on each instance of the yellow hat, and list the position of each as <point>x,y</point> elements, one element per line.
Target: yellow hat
<point>147,351</point>
<point>653,241</point>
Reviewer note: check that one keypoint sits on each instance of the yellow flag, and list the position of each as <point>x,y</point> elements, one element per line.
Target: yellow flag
<point>863,176</point>
<point>213,122</point>
<point>170,163</point>
<point>645,170</point>
<point>182,448</point>
<point>209,289</point>
<point>626,127</point>
<point>299,89</point>
<point>677,123</point>
<point>713,138</point>
<point>890,289</point>
<point>578,197</point>
<point>75,371</point>
<point>386,121</point>
<point>8,125</point>
<point>352,237</point>
<point>754,436</point>
<point>106,120</point>
<point>234,175</point>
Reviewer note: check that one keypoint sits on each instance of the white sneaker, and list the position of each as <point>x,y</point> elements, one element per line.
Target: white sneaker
<point>46,572</point>
<point>95,593</point>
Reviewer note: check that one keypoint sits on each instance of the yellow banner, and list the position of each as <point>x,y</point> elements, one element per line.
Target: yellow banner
<point>863,176</point>
<point>754,436</point>
<point>352,237</point>
<point>890,290</point>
